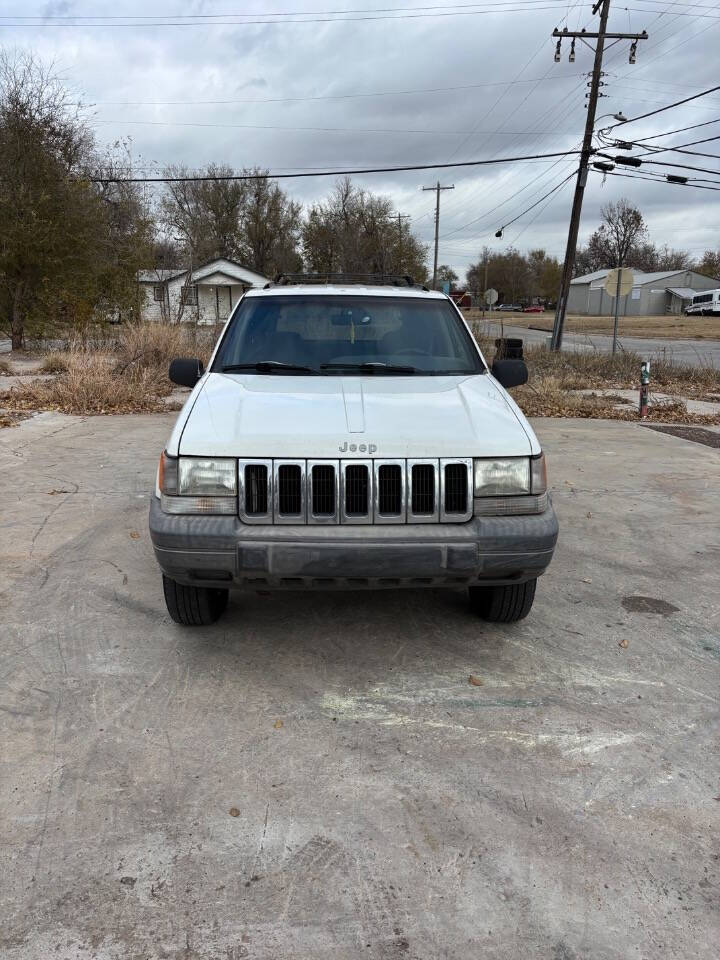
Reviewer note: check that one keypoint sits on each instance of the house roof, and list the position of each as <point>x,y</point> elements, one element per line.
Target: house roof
<point>686,293</point>
<point>221,265</point>
<point>158,276</point>
<point>661,275</point>
<point>644,278</point>
<point>230,268</point>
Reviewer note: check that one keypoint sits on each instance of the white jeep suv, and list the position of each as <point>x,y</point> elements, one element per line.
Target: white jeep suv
<point>350,436</point>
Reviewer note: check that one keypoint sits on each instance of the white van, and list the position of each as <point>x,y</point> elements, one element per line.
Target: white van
<point>705,304</point>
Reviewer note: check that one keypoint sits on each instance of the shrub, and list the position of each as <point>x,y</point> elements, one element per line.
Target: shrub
<point>90,384</point>
<point>54,362</point>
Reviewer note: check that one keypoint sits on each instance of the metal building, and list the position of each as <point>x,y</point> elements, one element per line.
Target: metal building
<point>653,294</point>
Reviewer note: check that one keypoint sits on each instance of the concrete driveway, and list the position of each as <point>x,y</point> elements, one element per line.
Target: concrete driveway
<point>315,778</point>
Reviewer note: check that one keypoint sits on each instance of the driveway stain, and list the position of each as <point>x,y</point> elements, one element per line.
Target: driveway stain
<point>649,605</point>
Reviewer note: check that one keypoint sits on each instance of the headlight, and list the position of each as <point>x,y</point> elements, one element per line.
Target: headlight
<point>510,487</point>
<point>207,478</point>
<point>195,485</point>
<point>502,478</point>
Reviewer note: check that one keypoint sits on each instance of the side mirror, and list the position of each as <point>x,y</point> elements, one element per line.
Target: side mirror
<point>510,373</point>
<point>186,371</point>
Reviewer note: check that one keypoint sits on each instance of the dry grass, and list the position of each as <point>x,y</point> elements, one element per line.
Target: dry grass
<point>578,370</point>
<point>124,375</point>
<point>91,384</point>
<point>672,327</point>
<point>11,418</point>
<point>554,376</point>
<point>548,397</point>
<point>56,361</point>
<point>129,375</point>
<point>5,369</point>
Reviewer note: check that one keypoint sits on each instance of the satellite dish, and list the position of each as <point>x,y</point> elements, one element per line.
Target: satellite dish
<point>626,281</point>
<point>491,296</point>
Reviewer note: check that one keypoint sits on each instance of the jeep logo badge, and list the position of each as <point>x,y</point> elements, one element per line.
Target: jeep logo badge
<point>357,447</point>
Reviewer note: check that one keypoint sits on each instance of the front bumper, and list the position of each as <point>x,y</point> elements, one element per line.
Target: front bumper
<point>223,552</point>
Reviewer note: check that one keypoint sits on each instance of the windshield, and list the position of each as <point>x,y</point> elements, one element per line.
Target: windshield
<point>345,335</point>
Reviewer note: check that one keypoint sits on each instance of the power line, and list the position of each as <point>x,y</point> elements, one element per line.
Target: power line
<point>279,14</point>
<point>335,96</point>
<point>538,202</point>
<point>635,176</point>
<point>266,126</point>
<point>136,22</point>
<point>487,213</point>
<point>330,173</point>
<point>669,106</point>
<point>670,133</point>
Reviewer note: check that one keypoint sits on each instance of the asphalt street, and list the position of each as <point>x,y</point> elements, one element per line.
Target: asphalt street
<point>690,352</point>
<point>315,777</point>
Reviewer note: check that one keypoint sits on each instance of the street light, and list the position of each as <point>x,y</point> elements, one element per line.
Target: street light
<point>619,116</point>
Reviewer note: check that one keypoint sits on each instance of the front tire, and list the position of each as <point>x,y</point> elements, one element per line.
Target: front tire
<point>504,604</point>
<point>193,606</point>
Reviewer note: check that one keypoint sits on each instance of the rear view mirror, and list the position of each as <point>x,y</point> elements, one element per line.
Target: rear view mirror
<point>510,373</point>
<point>186,371</point>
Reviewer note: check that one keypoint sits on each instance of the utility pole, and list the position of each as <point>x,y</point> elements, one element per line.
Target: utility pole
<point>437,188</point>
<point>485,284</point>
<point>587,149</point>
<point>400,218</point>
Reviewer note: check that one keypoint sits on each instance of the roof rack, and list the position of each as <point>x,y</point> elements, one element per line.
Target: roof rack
<point>344,279</point>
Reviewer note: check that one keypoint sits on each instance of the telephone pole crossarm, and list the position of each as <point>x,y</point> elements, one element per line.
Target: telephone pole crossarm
<point>584,34</point>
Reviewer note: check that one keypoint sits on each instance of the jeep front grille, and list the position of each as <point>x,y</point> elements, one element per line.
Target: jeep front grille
<point>390,488</point>
<point>456,488</point>
<point>355,491</point>
<point>256,489</point>
<point>323,489</point>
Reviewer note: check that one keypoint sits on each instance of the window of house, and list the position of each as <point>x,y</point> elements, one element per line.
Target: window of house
<point>159,292</point>
<point>188,296</point>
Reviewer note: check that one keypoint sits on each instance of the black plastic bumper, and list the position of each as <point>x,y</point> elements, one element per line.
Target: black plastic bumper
<point>222,551</point>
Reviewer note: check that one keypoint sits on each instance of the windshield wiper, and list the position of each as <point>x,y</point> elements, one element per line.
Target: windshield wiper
<point>378,367</point>
<point>268,366</point>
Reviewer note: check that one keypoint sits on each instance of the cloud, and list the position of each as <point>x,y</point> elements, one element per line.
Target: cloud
<point>136,74</point>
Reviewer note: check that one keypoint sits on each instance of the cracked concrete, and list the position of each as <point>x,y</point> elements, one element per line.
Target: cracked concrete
<point>314,778</point>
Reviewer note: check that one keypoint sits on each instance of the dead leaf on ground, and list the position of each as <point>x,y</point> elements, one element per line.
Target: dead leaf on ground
<point>475,681</point>
<point>134,535</point>
<point>279,724</point>
<point>587,579</point>
<point>234,812</point>
<point>624,642</point>
<point>51,493</point>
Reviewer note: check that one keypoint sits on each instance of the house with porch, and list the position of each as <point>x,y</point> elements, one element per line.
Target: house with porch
<point>205,294</point>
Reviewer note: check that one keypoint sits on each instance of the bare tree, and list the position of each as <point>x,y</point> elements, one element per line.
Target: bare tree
<point>355,231</point>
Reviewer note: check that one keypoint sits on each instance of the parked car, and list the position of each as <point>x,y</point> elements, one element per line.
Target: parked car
<point>511,307</point>
<point>534,308</point>
<point>353,437</point>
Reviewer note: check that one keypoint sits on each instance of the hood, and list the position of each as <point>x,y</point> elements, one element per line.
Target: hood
<point>241,415</point>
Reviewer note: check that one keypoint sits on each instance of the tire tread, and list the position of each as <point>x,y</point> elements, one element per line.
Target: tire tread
<point>193,606</point>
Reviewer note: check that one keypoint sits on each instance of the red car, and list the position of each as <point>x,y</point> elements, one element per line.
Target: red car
<point>535,309</point>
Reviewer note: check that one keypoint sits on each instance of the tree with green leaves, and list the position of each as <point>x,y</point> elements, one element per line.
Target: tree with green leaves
<point>69,248</point>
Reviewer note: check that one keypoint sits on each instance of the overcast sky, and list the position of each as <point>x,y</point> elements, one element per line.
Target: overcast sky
<point>148,81</point>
